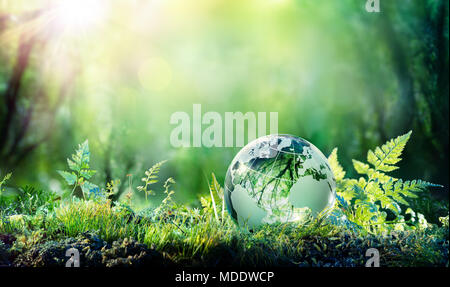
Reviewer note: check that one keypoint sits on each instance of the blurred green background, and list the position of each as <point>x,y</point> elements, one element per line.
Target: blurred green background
<point>114,72</point>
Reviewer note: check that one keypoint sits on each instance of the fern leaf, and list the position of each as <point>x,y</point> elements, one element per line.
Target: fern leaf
<point>360,167</point>
<point>380,176</point>
<point>73,165</point>
<point>219,191</point>
<point>70,178</point>
<point>337,169</point>
<point>216,186</point>
<point>87,186</point>
<point>87,173</point>
<point>212,187</point>
<point>151,177</point>
<point>385,158</point>
<point>206,204</point>
<point>409,188</point>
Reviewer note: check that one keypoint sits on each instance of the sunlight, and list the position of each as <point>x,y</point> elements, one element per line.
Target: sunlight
<point>79,15</point>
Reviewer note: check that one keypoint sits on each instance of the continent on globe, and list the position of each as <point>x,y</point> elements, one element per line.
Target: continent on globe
<point>278,179</point>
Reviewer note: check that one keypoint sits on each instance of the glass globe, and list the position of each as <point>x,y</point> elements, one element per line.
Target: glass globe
<point>278,179</point>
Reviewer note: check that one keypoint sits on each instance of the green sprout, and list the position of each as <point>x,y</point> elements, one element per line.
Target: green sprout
<point>80,171</point>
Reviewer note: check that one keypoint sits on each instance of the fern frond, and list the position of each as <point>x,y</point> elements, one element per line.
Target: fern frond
<point>337,169</point>
<point>385,158</point>
<point>151,178</point>
<point>380,176</point>
<point>216,186</point>
<point>80,171</point>
<point>213,186</point>
<point>2,181</point>
<point>364,168</point>
<point>219,191</point>
<point>410,188</point>
<point>363,200</point>
<point>360,167</point>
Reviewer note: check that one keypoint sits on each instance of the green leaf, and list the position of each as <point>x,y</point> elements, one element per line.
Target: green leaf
<point>385,158</point>
<point>86,186</point>
<point>70,178</point>
<point>87,173</point>
<point>360,167</point>
<point>337,169</point>
<point>379,176</point>
<point>81,156</point>
<point>73,165</point>
<point>151,177</point>
<point>206,204</point>
<point>216,186</point>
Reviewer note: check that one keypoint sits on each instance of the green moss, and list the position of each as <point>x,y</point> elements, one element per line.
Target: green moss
<point>108,236</point>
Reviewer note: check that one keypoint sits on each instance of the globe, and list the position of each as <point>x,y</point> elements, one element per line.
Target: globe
<point>278,179</point>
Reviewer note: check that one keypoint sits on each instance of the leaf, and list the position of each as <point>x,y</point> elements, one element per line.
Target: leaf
<point>360,167</point>
<point>205,203</point>
<point>87,173</point>
<point>5,179</point>
<point>73,165</point>
<point>85,154</point>
<point>409,189</point>
<point>151,177</point>
<point>337,169</point>
<point>379,176</point>
<point>213,201</point>
<point>152,173</point>
<point>363,200</point>
<point>86,186</point>
<point>385,158</point>
<point>70,178</point>
<point>342,202</point>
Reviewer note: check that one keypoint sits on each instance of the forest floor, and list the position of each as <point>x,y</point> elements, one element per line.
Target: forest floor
<point>115,236</point>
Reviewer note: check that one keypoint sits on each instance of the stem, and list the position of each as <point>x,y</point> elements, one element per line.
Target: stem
<point>223,208</point>
<point>214,204</point>
<point>73,190</point>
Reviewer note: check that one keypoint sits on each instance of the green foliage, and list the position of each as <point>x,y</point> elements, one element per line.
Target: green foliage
<point>167,202</point>
<point>337,169</point>
<point>151,177</point>
<point>80,171</point>
<point>444,221</point>
<point>5,179</point>
<point>199,235</point>
<point>189,236</point>
<point>2,182</point>
<point>370,200</point>
<point>34,201</point>
<point>215,200</point>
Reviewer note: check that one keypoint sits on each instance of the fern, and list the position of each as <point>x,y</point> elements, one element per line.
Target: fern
<point>366,201</point>
<point>80,171</point>
<point>151,178</point>
<point>338,171</point>
<point>214,187</point>
<point>2,182</point>
<point>169,182</point>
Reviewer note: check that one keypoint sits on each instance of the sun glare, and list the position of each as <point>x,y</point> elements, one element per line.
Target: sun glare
<point>80,14</point>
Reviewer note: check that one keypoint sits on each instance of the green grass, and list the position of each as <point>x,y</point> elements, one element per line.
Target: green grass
<point>374,211</point>
<point>192,237</point>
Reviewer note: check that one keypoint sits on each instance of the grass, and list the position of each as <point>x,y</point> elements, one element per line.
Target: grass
<point>37,226</point>
<point>191,237</point>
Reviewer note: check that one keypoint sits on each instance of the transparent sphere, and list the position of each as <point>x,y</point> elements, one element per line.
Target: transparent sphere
<point>277,179</point>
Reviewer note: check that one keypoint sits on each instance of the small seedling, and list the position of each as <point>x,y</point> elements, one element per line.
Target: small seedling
<point>80,171</point>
